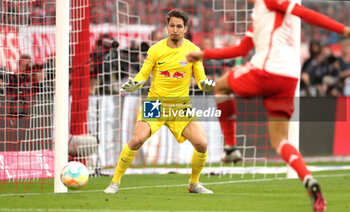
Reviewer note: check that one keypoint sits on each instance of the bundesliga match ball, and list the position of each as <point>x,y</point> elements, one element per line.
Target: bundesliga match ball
<point>74,175</point>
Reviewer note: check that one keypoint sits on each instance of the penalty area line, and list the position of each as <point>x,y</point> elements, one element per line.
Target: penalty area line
<point>178,185</point>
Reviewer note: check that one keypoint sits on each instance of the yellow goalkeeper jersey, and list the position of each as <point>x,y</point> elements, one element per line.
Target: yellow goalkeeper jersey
<point>171,72</point>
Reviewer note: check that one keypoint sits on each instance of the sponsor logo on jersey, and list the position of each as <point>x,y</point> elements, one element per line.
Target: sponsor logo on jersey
<point>178,75</point>
<point>164,73</point>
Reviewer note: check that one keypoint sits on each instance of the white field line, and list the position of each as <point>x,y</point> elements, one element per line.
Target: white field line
<point>178,185</point>
<point>82,210</point>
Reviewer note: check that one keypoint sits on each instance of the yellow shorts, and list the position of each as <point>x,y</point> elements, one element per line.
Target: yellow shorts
<point>176,124</point>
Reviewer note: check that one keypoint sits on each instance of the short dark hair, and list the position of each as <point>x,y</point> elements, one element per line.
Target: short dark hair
<point>178,14</point>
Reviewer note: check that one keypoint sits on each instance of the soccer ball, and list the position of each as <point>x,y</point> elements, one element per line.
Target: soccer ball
<point>74,175</point>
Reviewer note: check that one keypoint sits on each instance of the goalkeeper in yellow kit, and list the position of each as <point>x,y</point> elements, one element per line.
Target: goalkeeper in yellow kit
<point>171,76</point>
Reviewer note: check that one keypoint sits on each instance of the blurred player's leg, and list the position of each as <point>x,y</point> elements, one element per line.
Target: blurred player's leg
<point>279,110</point>
<point>227,104</point>
<point>278,131</point>
<point>141,132</point>
<point>194,132</point>
<point>314,190</point>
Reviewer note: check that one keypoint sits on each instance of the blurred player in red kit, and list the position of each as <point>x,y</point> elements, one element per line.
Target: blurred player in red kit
<point>272,73</point>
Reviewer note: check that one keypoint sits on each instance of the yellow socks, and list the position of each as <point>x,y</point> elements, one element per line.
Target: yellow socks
<point>197,163</point>
<point>125,160</point>
<point>127,156</point>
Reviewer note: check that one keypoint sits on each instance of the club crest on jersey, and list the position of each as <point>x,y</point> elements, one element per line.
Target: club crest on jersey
<point>183,63</point>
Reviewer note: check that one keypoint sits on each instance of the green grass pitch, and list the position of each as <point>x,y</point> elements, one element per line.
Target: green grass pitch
<point>169,193</point>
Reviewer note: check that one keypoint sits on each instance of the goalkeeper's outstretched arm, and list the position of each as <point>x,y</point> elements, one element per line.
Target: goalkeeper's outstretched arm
<point>204,83</point>
<point>131,85</point>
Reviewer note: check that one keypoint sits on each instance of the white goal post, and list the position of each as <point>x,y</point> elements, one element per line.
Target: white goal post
<point>62,92</point>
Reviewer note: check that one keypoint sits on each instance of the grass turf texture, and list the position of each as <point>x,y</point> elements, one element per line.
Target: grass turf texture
<point>169,193</point>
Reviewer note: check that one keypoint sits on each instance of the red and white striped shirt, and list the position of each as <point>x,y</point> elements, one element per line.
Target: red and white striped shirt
<point>272,35</point>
